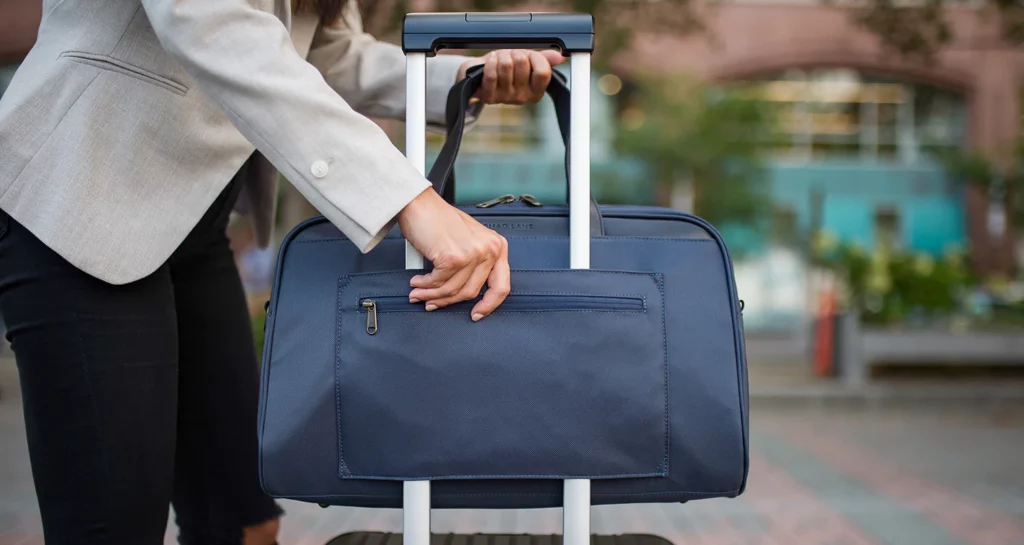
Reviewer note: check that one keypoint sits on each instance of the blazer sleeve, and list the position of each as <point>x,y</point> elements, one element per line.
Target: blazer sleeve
<point>341,161</point>
<point>370,74</point>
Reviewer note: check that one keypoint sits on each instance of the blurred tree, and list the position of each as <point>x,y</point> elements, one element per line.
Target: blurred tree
<point>707,139</point>
<point>913,28</point>
<point>999,174</point>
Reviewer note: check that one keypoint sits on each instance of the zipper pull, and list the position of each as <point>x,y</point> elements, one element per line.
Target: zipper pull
<point>371,316</point>
<point>530,200</point>
<point>504,199</point>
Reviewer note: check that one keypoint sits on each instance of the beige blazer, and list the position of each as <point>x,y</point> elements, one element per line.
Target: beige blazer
<point>129,117</point>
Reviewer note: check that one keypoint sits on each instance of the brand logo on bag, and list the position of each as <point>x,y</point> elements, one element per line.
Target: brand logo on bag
<point>510,226</point>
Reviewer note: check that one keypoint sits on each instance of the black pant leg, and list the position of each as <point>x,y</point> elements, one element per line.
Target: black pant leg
<point>98,368</point>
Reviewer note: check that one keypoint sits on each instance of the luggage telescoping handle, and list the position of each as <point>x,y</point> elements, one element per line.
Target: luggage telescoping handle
<point>429,32</point>
<point>422,36</point>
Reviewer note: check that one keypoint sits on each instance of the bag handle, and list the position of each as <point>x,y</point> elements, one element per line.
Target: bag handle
<point>442,172</point>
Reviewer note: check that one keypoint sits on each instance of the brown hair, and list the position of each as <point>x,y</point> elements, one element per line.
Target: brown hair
<point>328,10</point>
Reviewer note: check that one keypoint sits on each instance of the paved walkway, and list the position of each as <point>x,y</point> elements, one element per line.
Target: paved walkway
<point>818,477</point>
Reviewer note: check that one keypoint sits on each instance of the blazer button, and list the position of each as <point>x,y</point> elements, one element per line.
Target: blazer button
<point>319,169</point>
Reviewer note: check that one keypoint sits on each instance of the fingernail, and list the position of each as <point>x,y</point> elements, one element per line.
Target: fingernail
<point>413,300</point>
<point>431,306</point>
<point>477,317</point>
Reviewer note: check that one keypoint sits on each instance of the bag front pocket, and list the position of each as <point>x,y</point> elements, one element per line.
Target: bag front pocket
<point>567,379</point>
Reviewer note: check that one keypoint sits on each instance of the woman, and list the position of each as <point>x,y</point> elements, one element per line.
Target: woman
<point>119,135</point>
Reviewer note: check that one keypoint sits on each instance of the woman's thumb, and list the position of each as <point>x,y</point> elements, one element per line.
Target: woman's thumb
<point>553,57</point>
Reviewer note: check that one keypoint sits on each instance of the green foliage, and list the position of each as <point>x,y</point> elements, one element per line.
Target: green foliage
<point>709,137</point>
<point>892,287</point>
<point>258,323</point>
<point>986,171</point>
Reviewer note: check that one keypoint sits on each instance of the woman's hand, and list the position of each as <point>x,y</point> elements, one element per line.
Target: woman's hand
<point>514,76</point>
<point>465,255</point>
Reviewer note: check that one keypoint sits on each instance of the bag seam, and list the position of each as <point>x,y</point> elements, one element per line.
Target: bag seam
<point>553,237</point>
<point>668,383</point>
<point>345,472</point>
<point>714,493</point>
<point>504,476</point>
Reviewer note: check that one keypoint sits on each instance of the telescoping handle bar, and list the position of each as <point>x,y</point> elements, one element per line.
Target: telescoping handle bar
<point>423,35</point>
<point>430,32</point>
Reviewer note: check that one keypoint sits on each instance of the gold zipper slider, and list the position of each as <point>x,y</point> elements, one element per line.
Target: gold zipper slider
<point>504,199</point>
<point>371,316</point>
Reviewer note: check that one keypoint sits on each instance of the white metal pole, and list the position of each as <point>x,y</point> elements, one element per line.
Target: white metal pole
<point>415,129</point>
<point>415,494</point>
<point>579,162</point>
<point>576,506</point>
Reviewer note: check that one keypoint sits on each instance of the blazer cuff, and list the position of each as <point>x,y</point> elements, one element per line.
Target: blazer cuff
<point>367,231</point>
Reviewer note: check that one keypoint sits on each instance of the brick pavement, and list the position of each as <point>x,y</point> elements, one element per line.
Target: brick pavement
<point>817,478</point>
<point>959,515</point>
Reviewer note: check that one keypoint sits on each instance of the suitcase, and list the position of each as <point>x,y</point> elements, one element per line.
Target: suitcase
<point>614,372</point>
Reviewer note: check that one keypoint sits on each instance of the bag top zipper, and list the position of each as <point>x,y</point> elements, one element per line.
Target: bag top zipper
<point>509,198</point>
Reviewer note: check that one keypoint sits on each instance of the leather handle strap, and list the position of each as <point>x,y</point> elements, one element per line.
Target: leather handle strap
<point>442,172</point>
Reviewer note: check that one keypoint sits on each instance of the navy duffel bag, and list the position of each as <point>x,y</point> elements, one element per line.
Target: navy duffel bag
<point>631,374</point>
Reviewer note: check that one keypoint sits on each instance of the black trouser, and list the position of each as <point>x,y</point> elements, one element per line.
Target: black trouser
<point>138,396</point>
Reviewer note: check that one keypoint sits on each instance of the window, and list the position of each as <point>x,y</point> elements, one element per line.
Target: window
<point>887,227</point>
<point>842,113</point>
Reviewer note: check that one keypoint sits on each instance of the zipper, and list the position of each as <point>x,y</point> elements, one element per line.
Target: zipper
<point>371,316</point>
<point>525,198</point>
<point>504,199</point>
<point>374,306</point>
<point>528,199</point>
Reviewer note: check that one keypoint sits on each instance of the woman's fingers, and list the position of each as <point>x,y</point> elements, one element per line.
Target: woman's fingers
<point>498,286</point>
<point>470,290</point>
<point>515,76</point>
<point>521,69</point>
<point>454,279</point>
<point>489,85</point>
<point>506,75</point>
<point>540,77</point>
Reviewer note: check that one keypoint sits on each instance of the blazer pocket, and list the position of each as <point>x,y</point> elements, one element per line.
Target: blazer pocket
<point>104,62</point>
